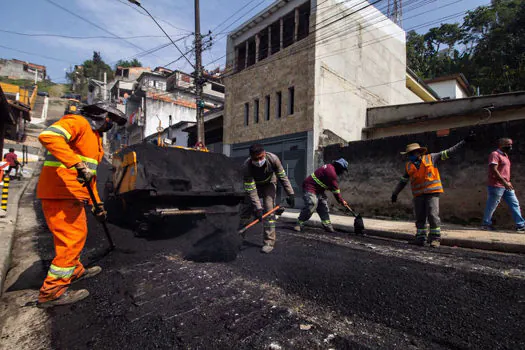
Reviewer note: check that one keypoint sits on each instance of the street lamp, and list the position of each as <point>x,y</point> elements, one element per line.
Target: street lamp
<point>137,2</point>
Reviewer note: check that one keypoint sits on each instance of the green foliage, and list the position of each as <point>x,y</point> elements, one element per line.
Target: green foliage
<point>489,48</point>
<point>90,69</point>
<point>126,64</point>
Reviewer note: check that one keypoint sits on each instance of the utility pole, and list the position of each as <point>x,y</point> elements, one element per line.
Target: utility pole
<point>199,81</point>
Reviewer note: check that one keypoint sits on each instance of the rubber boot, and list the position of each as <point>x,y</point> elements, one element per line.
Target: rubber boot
<point>267,249</point>
<point>69,297</point>
<point>434,241</point>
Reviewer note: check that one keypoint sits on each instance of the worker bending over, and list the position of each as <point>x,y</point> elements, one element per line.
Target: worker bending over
<point>74,150</point>
<point>315,199</point>
<point>261,171</point>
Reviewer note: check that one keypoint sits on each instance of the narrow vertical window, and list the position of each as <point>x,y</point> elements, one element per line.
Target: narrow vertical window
<point>246,114</point>
<point>267,107</point>
<point>256,111</point>
<point>278,104</point>
<point>291,100</point>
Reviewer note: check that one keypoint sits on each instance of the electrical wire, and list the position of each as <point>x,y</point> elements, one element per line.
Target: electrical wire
<point>82,37</point>
<point>35,54</point>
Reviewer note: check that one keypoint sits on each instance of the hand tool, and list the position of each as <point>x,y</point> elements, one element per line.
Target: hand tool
<point>359,225</point>
<point>277,210</point>
<point>104,224</point>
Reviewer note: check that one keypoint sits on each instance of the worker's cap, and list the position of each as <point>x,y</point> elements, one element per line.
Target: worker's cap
<point>414,147</point>
<point>100,108</point>
<point>343,163</point>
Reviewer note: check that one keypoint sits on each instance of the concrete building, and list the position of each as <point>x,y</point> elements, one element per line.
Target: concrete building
<point>16,69</point>
<point>159,101</point>
<point>304,72</point>
<point>451,87</point>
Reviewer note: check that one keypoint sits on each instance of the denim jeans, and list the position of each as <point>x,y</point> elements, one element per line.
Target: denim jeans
<point>495,194</point>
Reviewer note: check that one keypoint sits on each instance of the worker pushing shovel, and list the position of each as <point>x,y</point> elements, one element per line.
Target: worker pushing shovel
<point>315,199</point>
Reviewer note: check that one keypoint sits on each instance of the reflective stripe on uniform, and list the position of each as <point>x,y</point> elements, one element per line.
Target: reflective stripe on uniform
<point>424,184</point>
<point>326,222</point>
<point>281,174</point>
<point>404,179</point>
<point>336,191</point>
<point>268,179</point>
<point>269,223</point>
<point>421,232</point>
<point>435,231</point>
<point>250,186</point>
<point>444,155</point>
<point>57,130</point>
<point>51,161</point>
<point>319,182</point>
<point>60,272</point>
<point>428,190</point>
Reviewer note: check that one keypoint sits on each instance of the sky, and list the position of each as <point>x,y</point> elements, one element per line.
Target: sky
<point>106,22</point>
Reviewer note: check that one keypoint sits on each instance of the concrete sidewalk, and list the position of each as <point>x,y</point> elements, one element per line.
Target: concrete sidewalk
<point>452,235</point>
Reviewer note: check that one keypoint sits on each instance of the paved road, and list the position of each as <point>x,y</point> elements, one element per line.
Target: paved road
<point>315,291</point>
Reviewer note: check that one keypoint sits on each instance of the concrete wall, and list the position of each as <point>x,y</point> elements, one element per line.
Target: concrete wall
<point>290,67</point>
<point>16,70</point>
<point>448,88</point>
<point>376,166</point>
<point>158,109</point>
<point>360,62</point>
<point>432,116</point>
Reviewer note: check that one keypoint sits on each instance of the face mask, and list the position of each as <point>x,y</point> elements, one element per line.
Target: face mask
<point>506,149</point>
<point>259,163</point>
<point>413,158</point>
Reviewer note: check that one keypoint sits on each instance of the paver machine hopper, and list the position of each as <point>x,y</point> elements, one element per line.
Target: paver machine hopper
<point>153,187</point>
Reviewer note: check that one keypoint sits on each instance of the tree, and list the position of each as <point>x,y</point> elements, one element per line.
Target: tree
<point>124,63</point>
<point>489,48</point>
<point>90,69</point>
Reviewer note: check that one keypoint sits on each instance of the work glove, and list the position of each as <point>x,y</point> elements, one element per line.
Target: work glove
<point>471,137</point>
<point>259,214</point>
<point>84,175</point>
<point>291,201</point>
<point>100,212</point>
<point>394,198</point>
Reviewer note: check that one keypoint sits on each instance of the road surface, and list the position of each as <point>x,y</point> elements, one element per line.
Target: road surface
<point>315,291</point>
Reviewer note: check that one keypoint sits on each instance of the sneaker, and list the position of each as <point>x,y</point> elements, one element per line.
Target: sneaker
<point>88,273</point>
<point>520,229</point>
<point>329,228</point>
<point>298,228</point>
<point>488,228</point>
<point>267,249</point>
<point>69,297</point>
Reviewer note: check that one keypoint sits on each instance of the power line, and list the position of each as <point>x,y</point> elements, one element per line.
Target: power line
<point>92,23</point>
<point>34,54</point>
<point>81,37</point>
<point>236,12</point>
<point>160,19</point>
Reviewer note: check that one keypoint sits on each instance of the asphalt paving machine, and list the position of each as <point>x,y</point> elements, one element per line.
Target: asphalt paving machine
<point>151,185</point>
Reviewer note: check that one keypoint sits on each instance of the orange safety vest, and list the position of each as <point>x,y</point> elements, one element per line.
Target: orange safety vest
<point>426,179</point>
<point>68,142</point>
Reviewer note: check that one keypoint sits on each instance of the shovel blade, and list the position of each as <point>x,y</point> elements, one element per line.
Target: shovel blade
<point>359,225</point>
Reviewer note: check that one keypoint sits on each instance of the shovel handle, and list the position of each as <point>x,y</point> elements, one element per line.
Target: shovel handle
<point>241,231</point>
<point>351,210</point>
<point>104,225</point>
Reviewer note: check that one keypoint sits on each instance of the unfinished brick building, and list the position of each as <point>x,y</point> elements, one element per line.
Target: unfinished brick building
<point>302,75</point>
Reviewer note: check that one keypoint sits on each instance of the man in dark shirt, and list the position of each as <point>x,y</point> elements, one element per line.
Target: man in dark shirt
<point>12,159</point>
<point>315,199</point>
<point>261,171</point>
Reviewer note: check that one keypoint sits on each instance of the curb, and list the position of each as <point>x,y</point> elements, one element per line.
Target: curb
<point>7,237</point>
<point>445,241</point>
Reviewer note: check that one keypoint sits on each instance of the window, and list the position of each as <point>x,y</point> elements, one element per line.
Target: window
<point>263,44</point>
<point>276,37</point>
<point>267,108</point>
<point>251,51</point>
<point>218,88</point>
<point>288,29</point>
<point>256,111</point>
<point>278,104</point>
<point>246,114</point>
<point>304,21</point>
<point>241,56</point>
<point>291,100</point>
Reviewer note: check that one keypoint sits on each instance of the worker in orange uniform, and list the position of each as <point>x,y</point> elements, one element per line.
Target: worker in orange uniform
<point>74,150</point>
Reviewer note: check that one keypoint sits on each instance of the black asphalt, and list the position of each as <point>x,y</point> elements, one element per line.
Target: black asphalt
<point>315,291</point>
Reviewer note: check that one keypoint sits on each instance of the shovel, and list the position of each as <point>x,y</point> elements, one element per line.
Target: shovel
<point>104,224</point>
<point>359,225</point>
<point>277,210</point>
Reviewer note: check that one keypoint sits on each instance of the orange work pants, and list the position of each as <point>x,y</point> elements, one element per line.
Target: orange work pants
<point>66,219</point>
